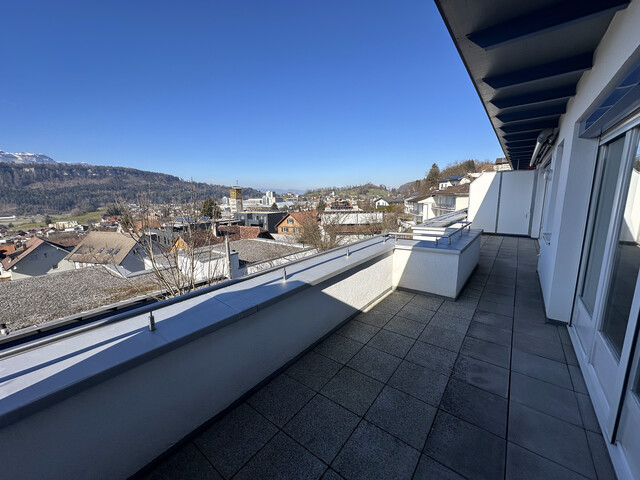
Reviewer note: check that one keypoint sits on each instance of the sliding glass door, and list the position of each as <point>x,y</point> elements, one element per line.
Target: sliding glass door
<point>606,309</point>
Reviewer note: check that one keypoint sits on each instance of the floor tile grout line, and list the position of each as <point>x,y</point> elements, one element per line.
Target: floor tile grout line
<point>205,457</point>
<point>506,445</point>
<point>550,460</point>
<point>265,443</point>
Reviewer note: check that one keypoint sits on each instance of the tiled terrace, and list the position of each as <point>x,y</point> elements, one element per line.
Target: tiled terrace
<point>421,387</point>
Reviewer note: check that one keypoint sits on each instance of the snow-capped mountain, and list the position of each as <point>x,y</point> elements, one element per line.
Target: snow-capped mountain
<point>24,157</point>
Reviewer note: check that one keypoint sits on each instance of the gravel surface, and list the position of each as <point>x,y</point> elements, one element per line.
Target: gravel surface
<point>36,300</point>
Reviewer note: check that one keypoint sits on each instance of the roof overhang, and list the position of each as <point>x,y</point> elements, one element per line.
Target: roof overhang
<point>525,60</point>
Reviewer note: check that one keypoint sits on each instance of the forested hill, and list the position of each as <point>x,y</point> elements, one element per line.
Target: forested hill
<point>60,188</point>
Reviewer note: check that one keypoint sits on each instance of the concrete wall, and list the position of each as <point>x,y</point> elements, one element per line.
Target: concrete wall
<point>483,202</point>
<point>503,202</point>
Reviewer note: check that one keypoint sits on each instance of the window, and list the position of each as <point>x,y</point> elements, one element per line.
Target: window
<point>45,254</point>
<point>290,221</point>
<point>296,229</point>
<point>610,156</point>
<point>285,229</point>
<point>626,263</point>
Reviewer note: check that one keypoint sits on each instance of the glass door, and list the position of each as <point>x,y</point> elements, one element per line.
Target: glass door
<point>604,318</point>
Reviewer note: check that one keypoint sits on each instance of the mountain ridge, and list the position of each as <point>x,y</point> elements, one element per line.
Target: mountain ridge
<point>26,158</point>
<point>41,188</point>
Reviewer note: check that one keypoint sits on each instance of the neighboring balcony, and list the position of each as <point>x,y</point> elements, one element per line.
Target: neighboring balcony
<point>263,378</point>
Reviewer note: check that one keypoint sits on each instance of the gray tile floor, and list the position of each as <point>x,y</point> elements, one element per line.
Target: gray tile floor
<point>421,387</point>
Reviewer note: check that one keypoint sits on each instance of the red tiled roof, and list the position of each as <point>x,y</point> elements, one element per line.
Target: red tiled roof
<point>206,238</point>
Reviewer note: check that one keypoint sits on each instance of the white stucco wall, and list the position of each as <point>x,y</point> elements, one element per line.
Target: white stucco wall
<point>559,261</point>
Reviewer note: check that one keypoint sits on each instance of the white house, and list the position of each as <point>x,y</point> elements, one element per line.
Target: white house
<point>381,202</point>
<point>451,181</point>
<point>414,206</point>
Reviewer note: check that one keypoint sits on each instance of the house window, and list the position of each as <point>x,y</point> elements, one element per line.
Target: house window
<point>290,221</point>
<point>285,229</point>
<point>296,229</point>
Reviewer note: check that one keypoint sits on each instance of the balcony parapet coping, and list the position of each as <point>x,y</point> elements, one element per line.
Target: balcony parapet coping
<point>35,379</point>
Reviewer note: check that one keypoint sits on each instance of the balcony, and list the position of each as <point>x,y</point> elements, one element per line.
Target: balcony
<point>411,386</point>
<point>420,387</point>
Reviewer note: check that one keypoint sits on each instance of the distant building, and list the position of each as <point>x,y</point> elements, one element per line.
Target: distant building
<point>235,199</point>
<point>116,251</point>
<point>380,202</point>
<point>501,165</point>
<point>451,181</point>
<point>36,257</point>
<point>69,224</point>
<point>444,201</point>
<point>413,206</point>
<point>270,198</point>
<point>266,220</point>
<point>294,223</point>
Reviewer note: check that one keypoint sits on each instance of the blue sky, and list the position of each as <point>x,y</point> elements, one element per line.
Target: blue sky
<point>273,94</point>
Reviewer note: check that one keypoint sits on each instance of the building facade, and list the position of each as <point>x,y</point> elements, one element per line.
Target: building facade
<point>235,199</point>
<point>567,115</point>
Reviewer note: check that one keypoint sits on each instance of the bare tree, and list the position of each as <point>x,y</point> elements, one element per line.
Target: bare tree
<point>183,252</point>
<point>332,229</point>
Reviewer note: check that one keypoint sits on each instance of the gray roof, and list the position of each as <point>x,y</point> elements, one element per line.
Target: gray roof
<point>251,251</point>
<point>103,248</point>
<point>35,300</point>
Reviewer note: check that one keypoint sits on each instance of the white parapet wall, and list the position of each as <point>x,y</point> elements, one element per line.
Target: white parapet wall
<point>503,202</point>
<point>422,266</point>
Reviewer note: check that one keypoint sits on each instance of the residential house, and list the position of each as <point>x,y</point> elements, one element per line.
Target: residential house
<point>381,202</point>
<point>451,181</point>
<point>5,249</point>
<point>118,252</point>
<point>66,241</point>
<point>412,206</point>
<point>440,202</point>
<point>266,220</point>
<point>502,164</point>
<point>35,257</point>
<point>294,223</point>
